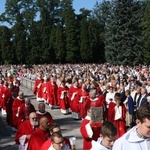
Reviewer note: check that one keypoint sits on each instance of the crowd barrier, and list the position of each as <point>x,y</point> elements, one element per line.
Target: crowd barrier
<point>27,83</point>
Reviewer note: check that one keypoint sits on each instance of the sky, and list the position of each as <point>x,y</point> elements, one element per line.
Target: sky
<point>77,4</point>
<point>88,4</point>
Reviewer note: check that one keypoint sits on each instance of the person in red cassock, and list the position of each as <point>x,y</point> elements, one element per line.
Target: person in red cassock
<point>16,107</point>
<point>73,90</point>
<point>52,93</point>
<point>117,114</point>
<point>6,101</point>
<point>25,131</point>
<point>44,90</point>
<point>25,109</point>
<point>40,135</point>
<point>82,95</point>
<point>1,93</point>
<point>89,130</point>
<point>9,102</point>
<point>16,84</point>
<point>5,96</point>
<point>43,113</point>
<point>63,98</point>
<point>95,100</point>
<point>38,87</point>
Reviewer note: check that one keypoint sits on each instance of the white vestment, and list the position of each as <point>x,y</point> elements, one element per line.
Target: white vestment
<point>98,146</point>
<point>130,140</point>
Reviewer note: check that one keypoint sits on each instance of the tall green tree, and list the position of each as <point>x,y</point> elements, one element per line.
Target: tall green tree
<point>12,9</point>
<point>19,40</point>
<point>29,11</point>
<point>146,30</point>
<point>123,41</point>
<point>34,44</point>
<point>85,49</point>
<point>27,8</point>
<point>49,10</point>
<point>68,16</point>
<point>52,40</point>
<point>6,46</point>
<point>96,40</point>
<point>14,16</point>
<point>96,29</point>
<point>60,44</point>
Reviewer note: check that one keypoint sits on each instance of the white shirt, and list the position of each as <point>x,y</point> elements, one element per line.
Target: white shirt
<point>148,88</point>
<point>110,96</point>
<point>131,141</point>
<point>98,146</point>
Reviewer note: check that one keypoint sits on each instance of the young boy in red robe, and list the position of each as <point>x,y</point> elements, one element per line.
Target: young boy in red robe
<point>117,114</point>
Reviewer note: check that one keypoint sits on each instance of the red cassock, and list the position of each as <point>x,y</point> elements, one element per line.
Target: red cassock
<point>52,93</point>
<point>44,91</point>
<point>9,79</point>
<point>63,99</point>
<point>48,143</point>
<point>89,132</point>
<point>82,100</point>
<point>24,111</point>
<point>16,84</point>
<point>9,117</point>
<point>97,102</point>
<point>5,96</point>
<point>15,109</point>
<point>9,103</point>
<point>15,91</point>
<point>1,88</point>
<point>120,123</point>
<point>37,139</point>
<point>38,88</point>
<point>102,98</point>
<point>45,114</point>
<point>104,106</point>
<point>24,129</point>
<point>73,99</point>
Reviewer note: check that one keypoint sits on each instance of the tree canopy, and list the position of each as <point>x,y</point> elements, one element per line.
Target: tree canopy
<point>49,31</point>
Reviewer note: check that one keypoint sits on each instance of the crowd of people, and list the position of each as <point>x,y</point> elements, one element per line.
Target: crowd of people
<point>120,92</point>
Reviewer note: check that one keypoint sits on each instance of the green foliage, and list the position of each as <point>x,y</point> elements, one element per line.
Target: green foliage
<point>34,45</point>
<point>49,31</point>
<point>85,50</point>
<point>123,41</point>
<point>60,44</point>
<point>6,46</point>
<point>68,17</point>
<point>19,40</point>
<point>146,31</point>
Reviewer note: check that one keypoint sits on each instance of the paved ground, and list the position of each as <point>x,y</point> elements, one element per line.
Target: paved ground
<point>70,127</point>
